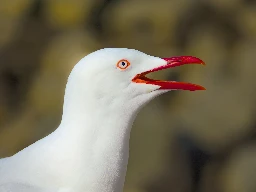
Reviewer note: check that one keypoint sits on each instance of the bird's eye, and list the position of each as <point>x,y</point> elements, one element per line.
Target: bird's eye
<point>123,64</point>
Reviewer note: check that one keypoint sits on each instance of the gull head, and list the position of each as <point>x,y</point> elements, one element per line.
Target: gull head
<point>117,77</point>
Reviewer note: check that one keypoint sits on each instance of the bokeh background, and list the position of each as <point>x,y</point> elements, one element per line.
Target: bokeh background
<point>182,141</point>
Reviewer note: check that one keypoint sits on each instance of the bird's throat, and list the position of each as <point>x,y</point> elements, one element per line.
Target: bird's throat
<point>95,136</point>
<point>103,143</point>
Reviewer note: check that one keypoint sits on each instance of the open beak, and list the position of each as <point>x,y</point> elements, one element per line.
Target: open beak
<point>171,85</point>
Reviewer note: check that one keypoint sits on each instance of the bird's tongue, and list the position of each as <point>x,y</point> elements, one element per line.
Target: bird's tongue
<point>171,85</point>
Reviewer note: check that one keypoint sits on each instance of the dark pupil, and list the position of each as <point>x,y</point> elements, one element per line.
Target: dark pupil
<point>123,63</point>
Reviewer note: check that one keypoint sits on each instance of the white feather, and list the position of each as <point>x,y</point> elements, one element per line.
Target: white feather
<point>89,151</point>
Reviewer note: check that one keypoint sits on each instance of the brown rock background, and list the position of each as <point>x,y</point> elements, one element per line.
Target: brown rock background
<point>182,141</point>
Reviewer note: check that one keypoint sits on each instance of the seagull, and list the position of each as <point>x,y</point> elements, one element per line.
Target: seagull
<point>89,150</point>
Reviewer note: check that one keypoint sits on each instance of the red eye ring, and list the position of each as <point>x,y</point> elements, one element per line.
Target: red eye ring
<point>123,64</point>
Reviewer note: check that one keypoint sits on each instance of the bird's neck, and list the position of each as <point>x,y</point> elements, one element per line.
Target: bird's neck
<point>97,139</point>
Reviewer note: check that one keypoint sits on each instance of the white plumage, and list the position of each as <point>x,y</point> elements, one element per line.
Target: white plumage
<point>89,150</point>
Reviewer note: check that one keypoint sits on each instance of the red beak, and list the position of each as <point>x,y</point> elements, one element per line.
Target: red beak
<point>171,85</point>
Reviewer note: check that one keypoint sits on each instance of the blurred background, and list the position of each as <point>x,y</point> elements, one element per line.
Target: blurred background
<point>181,142</point>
